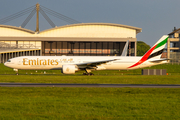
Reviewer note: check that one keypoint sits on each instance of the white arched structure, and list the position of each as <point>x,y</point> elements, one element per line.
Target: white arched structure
<point>50,41</point>
<point>92,30</point>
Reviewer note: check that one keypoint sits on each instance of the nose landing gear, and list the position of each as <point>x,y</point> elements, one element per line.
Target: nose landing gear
<point>16,70</point>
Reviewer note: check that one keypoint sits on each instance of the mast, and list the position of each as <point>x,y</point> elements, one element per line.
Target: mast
<point>37,17</point>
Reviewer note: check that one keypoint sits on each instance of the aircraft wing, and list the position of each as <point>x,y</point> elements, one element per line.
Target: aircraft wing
<point>93,64</point>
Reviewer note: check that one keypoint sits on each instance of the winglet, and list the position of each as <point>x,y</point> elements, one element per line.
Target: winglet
<point>124,53</point>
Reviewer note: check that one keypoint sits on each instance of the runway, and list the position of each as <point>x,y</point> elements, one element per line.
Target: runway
<point>90,85</point>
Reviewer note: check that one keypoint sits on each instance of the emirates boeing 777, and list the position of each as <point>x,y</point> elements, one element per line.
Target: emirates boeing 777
<point>71,64</point>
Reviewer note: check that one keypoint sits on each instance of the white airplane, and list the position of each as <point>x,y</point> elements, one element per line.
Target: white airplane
<point>71,64</point>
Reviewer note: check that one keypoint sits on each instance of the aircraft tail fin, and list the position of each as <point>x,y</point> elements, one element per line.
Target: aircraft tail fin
<point>155,51</point>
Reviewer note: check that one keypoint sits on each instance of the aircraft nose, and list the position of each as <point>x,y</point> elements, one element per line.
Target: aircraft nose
<point>5,63</point>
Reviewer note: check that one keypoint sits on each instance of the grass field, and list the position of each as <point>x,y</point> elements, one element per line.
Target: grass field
<point>111,79</point>
<point>172,69</point>
<point>121,77</point>
<point>89,103</point>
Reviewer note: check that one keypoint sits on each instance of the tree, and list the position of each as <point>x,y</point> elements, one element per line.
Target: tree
<point>142,48</point>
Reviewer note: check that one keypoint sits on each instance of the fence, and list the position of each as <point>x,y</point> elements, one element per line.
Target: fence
<point>16,46</point>
<point>8,51</point>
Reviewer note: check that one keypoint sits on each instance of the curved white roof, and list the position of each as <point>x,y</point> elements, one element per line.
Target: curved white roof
<point>83,30</point>
<point>7,30</point>
<point>102,24</point>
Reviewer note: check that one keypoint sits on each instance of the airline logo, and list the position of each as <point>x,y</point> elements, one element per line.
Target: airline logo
<point>39,61</point>
<point>156,50</point>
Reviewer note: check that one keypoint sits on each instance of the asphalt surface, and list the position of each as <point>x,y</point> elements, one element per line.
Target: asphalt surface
<point>89,85</point>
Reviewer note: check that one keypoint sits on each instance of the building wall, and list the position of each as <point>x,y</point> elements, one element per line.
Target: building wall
<point>173,46</point>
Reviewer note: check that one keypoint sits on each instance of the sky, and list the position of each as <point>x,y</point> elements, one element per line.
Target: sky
<point>155,17</point>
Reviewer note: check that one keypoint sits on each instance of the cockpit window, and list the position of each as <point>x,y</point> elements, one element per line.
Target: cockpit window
<point>9,61</point>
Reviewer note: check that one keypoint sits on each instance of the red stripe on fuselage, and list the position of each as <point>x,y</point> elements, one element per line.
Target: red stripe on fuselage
<point>144,58</point>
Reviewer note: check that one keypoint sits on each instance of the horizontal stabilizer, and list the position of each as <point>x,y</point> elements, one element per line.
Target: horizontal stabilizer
<point>159,60</point>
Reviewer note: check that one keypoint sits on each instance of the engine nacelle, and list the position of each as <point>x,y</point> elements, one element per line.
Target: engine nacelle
<point>68,69</point>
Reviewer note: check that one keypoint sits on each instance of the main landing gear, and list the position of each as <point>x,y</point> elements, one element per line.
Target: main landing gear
<point>88,72</point>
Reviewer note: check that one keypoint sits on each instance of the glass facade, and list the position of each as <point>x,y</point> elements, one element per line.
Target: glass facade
<point>58,48</point>
<point>20,44</point>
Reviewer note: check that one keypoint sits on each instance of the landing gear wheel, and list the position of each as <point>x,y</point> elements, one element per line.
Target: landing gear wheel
<point>88,74</point>
<point>84,73</point>
<point>91,74</point>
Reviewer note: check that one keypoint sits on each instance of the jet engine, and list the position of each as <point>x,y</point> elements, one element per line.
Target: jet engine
<point>68,69</point>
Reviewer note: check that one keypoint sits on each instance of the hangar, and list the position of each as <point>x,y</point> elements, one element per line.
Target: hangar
<point>75,39</point>
<point>83,39</point>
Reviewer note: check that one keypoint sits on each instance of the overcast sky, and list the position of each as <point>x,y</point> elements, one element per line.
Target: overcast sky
<point>155,17</point>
